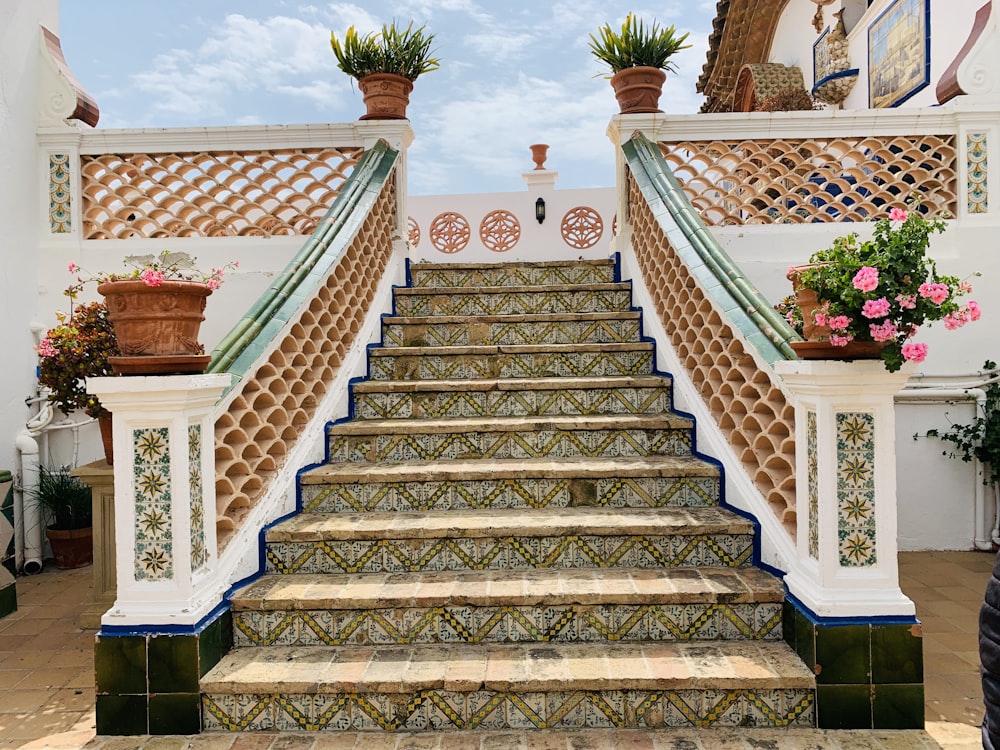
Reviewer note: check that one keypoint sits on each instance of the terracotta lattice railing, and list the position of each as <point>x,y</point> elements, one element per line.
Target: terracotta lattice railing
<point>723,332</point>
<point>803,180</point>
<point>287,349</point>
<point>279,191</point>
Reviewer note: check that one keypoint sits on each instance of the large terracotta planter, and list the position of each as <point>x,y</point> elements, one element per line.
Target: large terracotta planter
<point>157,326</point>
<point>638,89</point>
<point>386,96</point>
<point>72,548</point>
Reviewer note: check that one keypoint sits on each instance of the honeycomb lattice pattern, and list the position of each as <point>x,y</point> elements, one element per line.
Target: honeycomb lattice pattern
<point>802,180</point>
<point>278,399</point>
<point>211,194</point>
<point>748,407</point>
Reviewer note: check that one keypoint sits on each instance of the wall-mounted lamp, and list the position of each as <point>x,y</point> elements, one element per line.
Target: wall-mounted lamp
<point>540,210</point>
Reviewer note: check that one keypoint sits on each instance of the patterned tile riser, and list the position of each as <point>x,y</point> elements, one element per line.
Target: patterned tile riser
<point>630,492</point>
<point>518,303</point>
<point>508,334</point>
<point>440,709</point>
<point>509,624</point>
<point>511,403</point>
<point>513,276</point>
<point>426,447</point>
<point>509,553</point>
<point>471,366</point>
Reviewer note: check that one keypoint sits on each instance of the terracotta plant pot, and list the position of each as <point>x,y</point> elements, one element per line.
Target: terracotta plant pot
<point>73,548</point>
<point>386,96</point>
<point>638,89</point>
<point>107,438</point>
<point>156,326</point>
<point>817,338</point>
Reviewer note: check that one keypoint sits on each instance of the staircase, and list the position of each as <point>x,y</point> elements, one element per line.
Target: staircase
<point>510,532</point>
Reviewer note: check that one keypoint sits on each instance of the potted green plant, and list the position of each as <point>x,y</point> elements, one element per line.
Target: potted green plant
<point>639,57</point>
<point>80,346</point>
<point>385,64</point>
<point>870,298</point>
<point>64,502</point>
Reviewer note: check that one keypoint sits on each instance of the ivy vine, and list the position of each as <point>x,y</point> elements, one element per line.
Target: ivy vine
<point>979,439</point>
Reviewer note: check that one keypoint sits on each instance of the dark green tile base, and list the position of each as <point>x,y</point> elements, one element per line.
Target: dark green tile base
<point>868,675</point>
<point>8,600</point>
<point>149,684</point>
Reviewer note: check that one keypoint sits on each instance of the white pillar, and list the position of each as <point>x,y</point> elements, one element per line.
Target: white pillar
<point>164,497</point>
<point>845,468</point>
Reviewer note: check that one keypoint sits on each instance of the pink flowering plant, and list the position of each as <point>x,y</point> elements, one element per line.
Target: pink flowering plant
<point>885,288</point>
<point>153,270</point>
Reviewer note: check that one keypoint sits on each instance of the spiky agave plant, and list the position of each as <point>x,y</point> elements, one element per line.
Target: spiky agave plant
<point>635,45</point>
<point>404,52</point>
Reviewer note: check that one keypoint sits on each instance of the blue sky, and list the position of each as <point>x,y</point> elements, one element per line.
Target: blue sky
<point>512,73</point>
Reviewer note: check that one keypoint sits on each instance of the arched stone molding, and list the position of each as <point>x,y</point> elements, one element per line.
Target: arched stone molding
<point>61,96</point>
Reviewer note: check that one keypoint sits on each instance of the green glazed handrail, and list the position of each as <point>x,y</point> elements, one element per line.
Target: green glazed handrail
<point>327,242</point>
<point>660,187</point>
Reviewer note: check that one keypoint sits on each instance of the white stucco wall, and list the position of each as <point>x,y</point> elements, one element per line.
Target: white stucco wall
<point>20,208</point>
<point>951,23</point>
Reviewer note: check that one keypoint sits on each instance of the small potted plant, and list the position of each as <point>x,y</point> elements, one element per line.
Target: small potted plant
<point>385,64</point>
<point>80,347</point>
<point>156,308</point>
<point>639,59</point>
<point>65,504</point>
<point>861,299</point>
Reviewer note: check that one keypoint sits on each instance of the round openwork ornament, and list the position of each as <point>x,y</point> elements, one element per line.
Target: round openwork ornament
<point>582,227</point>
<point>413,231</point>
<point>450,232</point>
<point>500,231</point>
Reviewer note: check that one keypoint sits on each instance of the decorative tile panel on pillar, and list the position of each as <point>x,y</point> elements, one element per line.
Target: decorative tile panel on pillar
<point>165,549</point>
<point>845,604</point>
<point>168,625</point>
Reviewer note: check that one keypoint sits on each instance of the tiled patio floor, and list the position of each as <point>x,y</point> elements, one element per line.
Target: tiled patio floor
<point>47,682</point>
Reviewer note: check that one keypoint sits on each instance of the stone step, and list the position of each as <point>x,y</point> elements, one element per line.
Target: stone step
<point>504,606</point>
<point>511,274</point>
<point>510,361</point>
<point>509,437</point>
<point>514,300</point>
<point>490,540</point>
<point>510,397</point>
<point>508,686</point>
<point>640,482</point>
<point>502,330</point>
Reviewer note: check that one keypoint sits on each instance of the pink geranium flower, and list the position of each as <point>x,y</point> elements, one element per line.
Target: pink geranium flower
<point>73,267</point>
<point>975,312</point>
<point>914,352</point>
<point>875,308</point>
<point>936,293</point>
<point>898,214</point>
<point>820,319</point>
<point>885,331</point>
<point>45,348</point>
<point>152,278</point>
<point>907,301</point>
<point>841,340</point>
<point>839,322</point>
<point>866,279</point>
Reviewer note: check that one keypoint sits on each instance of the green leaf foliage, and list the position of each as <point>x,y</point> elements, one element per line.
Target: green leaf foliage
<point>635,44</point>
<point>63,499</point>
<point>404,53</point>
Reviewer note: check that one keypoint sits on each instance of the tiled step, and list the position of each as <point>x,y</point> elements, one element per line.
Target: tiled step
<point>509,606</point>
<point>577,328</point>
<point>639,482</point>
<point>487,540</point>
<point>511,274</point>
<point>509,437</point>
<point>542,686</point>
<point>511,361</point>
<point>514,300</point>
<point>510,397</point>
